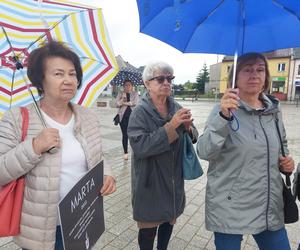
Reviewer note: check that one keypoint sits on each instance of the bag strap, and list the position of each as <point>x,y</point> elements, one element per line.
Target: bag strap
<point>25,121</point>
<point>287,175</point>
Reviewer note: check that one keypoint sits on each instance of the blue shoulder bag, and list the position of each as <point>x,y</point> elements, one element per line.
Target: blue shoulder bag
<point>191,165</point>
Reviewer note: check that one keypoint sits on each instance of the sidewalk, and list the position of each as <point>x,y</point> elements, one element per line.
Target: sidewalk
<point>189,231</point>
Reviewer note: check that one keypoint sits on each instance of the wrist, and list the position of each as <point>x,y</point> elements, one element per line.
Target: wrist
<point>227,118</point>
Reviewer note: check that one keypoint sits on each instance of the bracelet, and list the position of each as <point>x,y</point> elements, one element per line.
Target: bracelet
<point>225,117</point>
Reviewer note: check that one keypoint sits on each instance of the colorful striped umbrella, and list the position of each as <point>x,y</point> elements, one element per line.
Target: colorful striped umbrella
<point>25,24</point>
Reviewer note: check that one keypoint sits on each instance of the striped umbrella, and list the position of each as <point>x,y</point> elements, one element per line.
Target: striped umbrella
<point>26,24</point>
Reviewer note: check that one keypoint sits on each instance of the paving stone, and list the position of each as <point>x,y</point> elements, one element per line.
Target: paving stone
<point>187,232</point>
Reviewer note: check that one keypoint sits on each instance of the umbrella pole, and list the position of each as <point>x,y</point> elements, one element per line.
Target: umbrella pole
<point>40,115</point>
<point>234,69</point>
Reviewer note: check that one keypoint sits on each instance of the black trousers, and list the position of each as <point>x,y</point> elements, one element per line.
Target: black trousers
<point>124,125</point>
<point>147,235</point>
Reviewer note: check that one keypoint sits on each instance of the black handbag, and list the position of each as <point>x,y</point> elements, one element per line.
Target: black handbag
<point>116,119</point>
<point>291,213</point>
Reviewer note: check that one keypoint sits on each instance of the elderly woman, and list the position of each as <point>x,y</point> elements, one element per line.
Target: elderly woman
<point>56,72</point>
<point>244,186</point>
<point>155,131</point>
<point>126,100</point>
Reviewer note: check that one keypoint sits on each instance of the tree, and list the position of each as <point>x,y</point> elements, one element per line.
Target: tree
<point>202,78</point>
<point>189,85</point>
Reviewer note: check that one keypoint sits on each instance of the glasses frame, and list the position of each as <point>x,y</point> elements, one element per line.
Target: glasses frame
<point>159,79</point>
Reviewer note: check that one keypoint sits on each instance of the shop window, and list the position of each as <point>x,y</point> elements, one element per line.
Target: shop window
<point>278,86</point>
<point>281,67</point>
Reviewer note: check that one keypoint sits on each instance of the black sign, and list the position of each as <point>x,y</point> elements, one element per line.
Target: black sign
<point>81,211</point>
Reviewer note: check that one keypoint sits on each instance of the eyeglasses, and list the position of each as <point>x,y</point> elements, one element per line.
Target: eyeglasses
<point>161,79</point>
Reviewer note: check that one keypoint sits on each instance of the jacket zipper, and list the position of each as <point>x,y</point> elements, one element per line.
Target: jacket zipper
<point>173,184</point>
<point>268,160</point>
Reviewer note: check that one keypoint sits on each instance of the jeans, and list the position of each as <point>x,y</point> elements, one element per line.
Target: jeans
<point>124,125</point>
<point>266,240</point>
<point>58,240</point>
<point>147,235</point>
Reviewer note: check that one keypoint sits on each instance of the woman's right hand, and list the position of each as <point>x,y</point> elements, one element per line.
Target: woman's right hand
<point>229,101</point>
<point>183,115</point>
<point>45,140</point>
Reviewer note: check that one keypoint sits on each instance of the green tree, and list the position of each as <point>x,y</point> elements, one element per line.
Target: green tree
<point>189,85</point>
<point>202,78</point>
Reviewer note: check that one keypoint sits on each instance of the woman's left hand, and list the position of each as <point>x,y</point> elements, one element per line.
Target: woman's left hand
<point>287,164</point>
<point>109,185</point>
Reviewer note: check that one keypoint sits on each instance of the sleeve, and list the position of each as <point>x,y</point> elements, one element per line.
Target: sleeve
<point>194,133</point>
<point>214,135</point>
<point>146,142</point>
<point>283,133</point>
<point>16,157</point>
<point>119,99</point>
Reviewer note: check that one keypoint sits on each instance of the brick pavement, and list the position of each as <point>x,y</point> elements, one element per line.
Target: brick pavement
<point>189,232</point>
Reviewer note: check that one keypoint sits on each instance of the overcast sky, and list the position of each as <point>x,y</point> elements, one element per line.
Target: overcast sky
<point>122,22</point>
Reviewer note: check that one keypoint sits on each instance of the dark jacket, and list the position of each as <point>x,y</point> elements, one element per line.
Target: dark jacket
<point>157,182</point>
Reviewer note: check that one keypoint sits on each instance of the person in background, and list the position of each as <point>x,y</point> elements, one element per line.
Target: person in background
<point>155,130</point>
<point>126,100</point>
<point>244,185</point>
<point>56,72</point>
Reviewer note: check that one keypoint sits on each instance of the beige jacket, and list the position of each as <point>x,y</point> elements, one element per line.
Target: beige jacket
<point>134,99</point>
<point>41,195</point>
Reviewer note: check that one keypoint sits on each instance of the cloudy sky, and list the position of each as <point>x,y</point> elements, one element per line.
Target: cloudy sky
<point>122,22</point>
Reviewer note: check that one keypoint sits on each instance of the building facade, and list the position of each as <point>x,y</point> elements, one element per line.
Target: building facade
<point>284,66</point>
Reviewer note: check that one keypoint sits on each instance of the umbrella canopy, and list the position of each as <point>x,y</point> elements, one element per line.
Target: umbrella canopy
<point>222,26</point>
<point>127,72</point>
<point>25,24</point>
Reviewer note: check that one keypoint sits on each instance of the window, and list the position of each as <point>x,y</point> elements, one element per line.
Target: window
<point>278,86</point>
<point>281,67</point>
<point>228,68</point>
<point>298,70</point>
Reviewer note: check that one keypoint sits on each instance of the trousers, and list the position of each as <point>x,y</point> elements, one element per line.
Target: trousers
<point>266,240</point>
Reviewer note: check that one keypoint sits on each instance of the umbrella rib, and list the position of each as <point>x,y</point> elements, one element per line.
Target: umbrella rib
<point>8,41</point>
<point>11,88</point>
<point>286,9</point>
<point>56,24</point>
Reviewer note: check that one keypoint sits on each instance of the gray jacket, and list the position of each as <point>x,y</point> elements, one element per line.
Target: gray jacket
<point>157,182</point>
<point>244,186</point>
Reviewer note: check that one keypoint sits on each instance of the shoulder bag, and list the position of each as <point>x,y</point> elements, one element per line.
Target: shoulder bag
<point>191,166</point>
<point>291,214</point>
<point>11,196</point>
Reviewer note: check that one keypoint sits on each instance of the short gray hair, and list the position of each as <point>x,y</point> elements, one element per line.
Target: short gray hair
<point>154,67</point>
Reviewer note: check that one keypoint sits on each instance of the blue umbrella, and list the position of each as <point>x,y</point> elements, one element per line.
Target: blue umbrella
<point>222,26</point>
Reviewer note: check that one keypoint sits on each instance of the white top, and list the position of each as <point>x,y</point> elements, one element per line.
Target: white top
<point>73,160</point>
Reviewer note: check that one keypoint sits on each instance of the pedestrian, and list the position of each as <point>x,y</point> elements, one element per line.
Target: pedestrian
<point>126,100</point>
<point>155,131</point>
<point>244,185</point>
<point>73,130</point>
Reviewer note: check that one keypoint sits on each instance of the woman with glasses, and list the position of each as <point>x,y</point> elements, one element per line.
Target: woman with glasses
<point>155,131</point>
<point>126,101</point>
<point>244,185</point>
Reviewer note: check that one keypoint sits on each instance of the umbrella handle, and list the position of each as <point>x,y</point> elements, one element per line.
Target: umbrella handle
<point>52,150</point>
